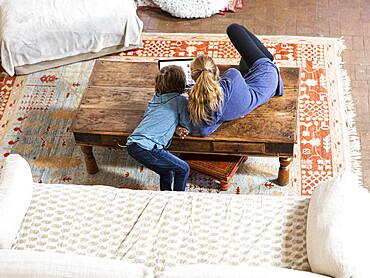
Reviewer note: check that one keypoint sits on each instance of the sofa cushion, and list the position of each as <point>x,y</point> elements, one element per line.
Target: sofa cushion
<point>338,229</point>
<point>16,187</point>
<point>140,226</point>
<point>234,271</point>
<point>17,263</point>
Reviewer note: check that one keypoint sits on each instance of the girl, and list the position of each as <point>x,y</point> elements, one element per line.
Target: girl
<point>214,100</point>
<point>149,141</point>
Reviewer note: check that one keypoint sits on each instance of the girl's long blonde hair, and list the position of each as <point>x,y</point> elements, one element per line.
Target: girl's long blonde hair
<point>206,95</point>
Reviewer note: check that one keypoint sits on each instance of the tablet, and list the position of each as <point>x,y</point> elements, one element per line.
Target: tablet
<point>184,63</point>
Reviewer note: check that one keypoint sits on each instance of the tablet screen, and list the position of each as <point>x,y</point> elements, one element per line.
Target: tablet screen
<point>183,63</point>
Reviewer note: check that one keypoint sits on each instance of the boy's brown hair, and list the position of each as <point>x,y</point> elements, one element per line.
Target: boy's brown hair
<point>170,79</point>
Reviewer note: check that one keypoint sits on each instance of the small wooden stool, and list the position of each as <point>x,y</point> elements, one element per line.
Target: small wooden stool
<point>220,167</point>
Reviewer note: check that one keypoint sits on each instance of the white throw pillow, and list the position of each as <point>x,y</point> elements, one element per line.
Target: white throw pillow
<point>19,263</point>
<point>234,271</point>
<point>16,188</point>
<point>338,229</point>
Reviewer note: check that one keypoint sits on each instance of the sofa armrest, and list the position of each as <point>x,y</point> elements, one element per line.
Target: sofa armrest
<point>16,188</point>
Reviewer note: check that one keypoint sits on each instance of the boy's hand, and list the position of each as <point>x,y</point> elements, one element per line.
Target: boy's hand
<point>182,132</point>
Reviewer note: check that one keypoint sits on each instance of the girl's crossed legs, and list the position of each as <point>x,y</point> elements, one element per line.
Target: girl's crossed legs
<point>248,45</point>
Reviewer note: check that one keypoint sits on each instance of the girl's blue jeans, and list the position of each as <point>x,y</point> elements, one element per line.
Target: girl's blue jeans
<point>168,166</point>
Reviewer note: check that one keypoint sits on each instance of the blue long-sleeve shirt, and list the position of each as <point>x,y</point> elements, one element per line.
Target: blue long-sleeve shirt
<point>163,114</point>
<point>242,94</point>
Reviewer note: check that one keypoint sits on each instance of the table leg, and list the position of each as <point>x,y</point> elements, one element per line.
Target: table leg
<point>224,185</point>
<point>91,166</point>
<point>283,177</point>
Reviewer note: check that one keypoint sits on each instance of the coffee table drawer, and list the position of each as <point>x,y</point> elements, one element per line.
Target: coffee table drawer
<point>194,146</point>
<point>238,148</point>
<point>100,139</point>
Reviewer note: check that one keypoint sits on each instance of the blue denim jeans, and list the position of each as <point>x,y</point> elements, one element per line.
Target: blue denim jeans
<point>168,166</point>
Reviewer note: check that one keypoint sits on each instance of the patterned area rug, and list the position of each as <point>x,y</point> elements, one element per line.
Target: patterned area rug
<point>37,110</point>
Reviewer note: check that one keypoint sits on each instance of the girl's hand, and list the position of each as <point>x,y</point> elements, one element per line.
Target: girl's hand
<point>182,132</point>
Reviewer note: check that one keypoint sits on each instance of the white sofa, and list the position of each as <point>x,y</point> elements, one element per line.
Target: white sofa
<point>40,34</point>
<point>58,230</point>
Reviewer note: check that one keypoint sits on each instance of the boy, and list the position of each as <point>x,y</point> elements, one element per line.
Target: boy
<point>149,141</point>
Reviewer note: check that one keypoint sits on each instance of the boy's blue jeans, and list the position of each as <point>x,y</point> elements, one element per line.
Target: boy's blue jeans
<point>168,166</point>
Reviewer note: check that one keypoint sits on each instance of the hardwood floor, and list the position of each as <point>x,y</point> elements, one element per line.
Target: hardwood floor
<point>328,18</point>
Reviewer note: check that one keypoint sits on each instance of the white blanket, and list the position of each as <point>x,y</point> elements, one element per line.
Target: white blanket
<point>34,31</point>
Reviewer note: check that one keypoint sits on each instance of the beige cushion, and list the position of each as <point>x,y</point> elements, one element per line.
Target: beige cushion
<point>338,232</point>
<point>234,271</point>
<point>16,187</point>
<point>17,263</point>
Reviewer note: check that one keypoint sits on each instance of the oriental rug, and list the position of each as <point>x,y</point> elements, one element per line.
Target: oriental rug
<point>37,110</point>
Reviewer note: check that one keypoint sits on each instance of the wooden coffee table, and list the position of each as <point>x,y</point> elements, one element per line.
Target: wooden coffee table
<point>117,96</point>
